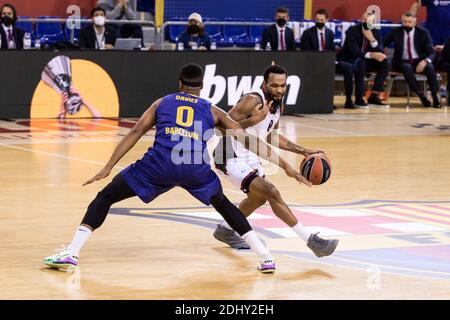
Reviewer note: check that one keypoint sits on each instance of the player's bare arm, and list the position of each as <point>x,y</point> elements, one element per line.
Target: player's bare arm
<point>285,144</point>
<point>145,123</point>
<point>224,121</point>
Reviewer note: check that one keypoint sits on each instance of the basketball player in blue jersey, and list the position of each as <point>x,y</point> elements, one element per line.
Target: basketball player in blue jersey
<point>171,162</point>
<point>244,170</point>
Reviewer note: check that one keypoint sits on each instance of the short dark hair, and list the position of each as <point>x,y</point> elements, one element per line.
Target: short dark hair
<point>97,9</point>
<point>7,5</point>
<point>191,75</point>
<point>283,10</point>
<point>275,68</point>
<point>409,14</point>
<point>322,11</point>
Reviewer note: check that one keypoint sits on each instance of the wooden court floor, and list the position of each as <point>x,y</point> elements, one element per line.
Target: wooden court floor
<point>388,201</point>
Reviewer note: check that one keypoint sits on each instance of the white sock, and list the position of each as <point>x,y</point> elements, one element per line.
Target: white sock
<point>83,233</point>
<point>301,231</point>
<point>256,245</point>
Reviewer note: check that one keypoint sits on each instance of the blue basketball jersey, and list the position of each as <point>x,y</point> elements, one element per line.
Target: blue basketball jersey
<point>184,122</point>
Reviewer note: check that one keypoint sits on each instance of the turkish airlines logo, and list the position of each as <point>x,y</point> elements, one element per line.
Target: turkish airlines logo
<point>235,88</point>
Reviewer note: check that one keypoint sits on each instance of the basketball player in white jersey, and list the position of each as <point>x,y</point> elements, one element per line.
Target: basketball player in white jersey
<point>244,169</point>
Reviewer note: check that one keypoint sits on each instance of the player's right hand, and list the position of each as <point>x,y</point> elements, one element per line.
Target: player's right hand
<point>101,175</point>
<point>290,172</point>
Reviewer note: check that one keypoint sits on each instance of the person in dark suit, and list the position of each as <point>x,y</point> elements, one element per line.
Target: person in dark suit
<point>12,37</point>
<point>414,53</point>
<point>279,36</point>
<point>444,64</point>
<point>320,38</point>
<point>98,36</point>
<point>364,50</point>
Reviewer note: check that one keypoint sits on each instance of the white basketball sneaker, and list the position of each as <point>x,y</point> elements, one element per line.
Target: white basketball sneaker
<point>63,259</point>
<point>266,265</point>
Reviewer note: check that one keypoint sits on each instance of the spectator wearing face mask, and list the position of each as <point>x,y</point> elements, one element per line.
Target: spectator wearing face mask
<point>97,36</point>
<point>414,54</point>
<point>363,49</point>
<point>12,37</point>
<point>279,36</point>
<point>444,63</point>
<point>320,38</point>
<point>122,10</point>
<point>195,36</point>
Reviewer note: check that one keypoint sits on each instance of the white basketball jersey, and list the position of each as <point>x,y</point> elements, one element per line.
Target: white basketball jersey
<point>262,129</point>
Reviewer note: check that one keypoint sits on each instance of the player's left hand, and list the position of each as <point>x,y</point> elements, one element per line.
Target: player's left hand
<point>308,152</point>
<point>101,175</point>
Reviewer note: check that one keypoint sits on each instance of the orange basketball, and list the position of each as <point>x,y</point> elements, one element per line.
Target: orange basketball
<point>316,168</point>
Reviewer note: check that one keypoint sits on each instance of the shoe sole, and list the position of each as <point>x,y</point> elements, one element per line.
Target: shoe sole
<point>61,266</point>
<point>266,271</point>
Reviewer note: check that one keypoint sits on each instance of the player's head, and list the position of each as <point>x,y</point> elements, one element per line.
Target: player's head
<point>191,77</point>
<point>8,14</point>
<point>275,82</point>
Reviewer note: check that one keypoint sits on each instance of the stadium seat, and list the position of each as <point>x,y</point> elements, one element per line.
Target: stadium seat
<point>25,26</point>
<point>237,34</point>
<point>305,24</point>
<point>256,32</point>
<point>214,31</point>
<point>67,31</point>
<point>50,30</point>
<point>331,25</point>
<point>173,31</point>
<point>337,32</point>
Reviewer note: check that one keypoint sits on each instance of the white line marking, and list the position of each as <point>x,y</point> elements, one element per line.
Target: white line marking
<point>330,130</point>
<point>58,155</point>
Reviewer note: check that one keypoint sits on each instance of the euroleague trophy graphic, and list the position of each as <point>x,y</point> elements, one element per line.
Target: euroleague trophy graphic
<point>58,75</point>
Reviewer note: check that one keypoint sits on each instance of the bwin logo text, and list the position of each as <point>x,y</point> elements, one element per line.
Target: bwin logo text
<point>237,88</point>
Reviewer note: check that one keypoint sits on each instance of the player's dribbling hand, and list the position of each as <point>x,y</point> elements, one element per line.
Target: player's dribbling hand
<point>290,172</point>
<point>101,175</point>
<point>308,152</point>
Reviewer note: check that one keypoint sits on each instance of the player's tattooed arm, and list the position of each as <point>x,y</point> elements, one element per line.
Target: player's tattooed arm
<point>278,140</point>
<point>145,123</point>
<point>254,144</point>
